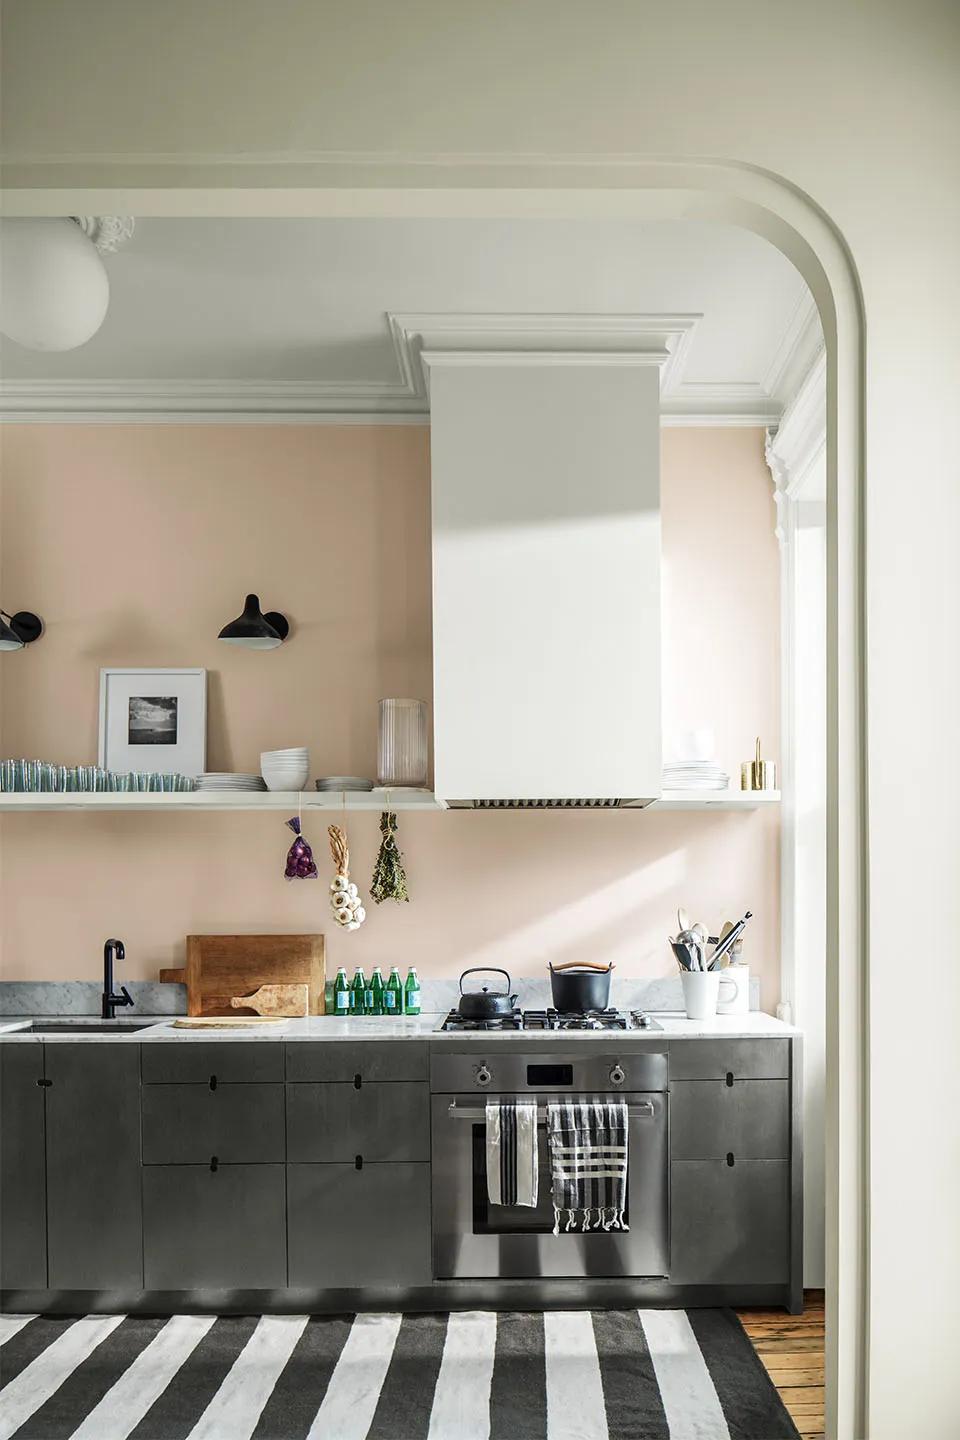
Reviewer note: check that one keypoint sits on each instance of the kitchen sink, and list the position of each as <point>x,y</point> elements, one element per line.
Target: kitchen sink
<point>85,1027</point>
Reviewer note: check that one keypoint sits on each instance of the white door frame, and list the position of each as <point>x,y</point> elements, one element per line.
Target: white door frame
<point>770,206</point>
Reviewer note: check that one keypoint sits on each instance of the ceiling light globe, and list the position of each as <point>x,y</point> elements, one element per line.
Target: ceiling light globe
<point>54,289</point>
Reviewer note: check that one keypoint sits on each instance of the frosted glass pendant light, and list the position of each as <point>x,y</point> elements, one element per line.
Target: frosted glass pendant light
<point>54,289</point>
<point>402,751</point>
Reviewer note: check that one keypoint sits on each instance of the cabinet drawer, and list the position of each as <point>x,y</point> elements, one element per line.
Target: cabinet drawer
<point>750,1118</point>
<point>214,1229</point>
<point>743,1059</point>
<point>189,1124</point>
<point>729,1224</point>
<point>197,1061</point>
<point>350,1227</point>
<point>372,1060</point>
<point>338,1122</point>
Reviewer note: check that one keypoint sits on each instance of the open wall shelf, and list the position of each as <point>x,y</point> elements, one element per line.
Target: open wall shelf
<point>293,800</point>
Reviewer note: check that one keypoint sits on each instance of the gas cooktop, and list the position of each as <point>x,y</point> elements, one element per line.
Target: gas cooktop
<point>556,1020</point>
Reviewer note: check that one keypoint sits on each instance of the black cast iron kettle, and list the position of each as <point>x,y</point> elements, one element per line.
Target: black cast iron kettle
<point>483,1004</point>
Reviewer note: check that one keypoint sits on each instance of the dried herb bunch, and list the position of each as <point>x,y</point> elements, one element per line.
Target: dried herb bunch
<point>389,881</point>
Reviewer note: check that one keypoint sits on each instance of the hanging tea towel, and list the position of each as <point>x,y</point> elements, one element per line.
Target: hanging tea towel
<point>513,1168</point>
<point>588,1163</point>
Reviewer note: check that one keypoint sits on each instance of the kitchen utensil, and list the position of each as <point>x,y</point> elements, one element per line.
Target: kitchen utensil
<point>221,966</point>
<point>692,942</point>
<point>483,1004</point>
<point>683,956</point>
<point>739,1002</point>
<point>757,774</point>
<point>731,937</point>
<point>224,1022</point>
<point>701,993</point>
<point>683,919</point>
<point>580,985</point>
<point>290,1000</point>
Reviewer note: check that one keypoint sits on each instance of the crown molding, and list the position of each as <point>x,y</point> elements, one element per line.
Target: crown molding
<point>796,351</point>
<point>796,443</point>
<point>663,340</point>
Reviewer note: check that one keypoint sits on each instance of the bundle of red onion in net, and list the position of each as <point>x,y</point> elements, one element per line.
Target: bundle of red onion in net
<point>300,862</point>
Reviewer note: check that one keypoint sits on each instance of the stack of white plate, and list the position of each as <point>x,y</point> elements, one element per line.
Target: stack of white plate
<point>227,780</point>
<point>285,769</point>
<point>695,775</point>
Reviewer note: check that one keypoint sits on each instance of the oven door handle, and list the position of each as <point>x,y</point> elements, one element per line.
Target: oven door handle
<point>643,1110</point>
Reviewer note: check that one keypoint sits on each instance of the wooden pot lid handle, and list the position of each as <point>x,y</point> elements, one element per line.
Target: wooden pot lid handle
<point>580,965</point>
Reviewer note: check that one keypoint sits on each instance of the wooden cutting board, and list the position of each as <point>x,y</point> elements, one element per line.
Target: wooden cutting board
<point>221,966</point>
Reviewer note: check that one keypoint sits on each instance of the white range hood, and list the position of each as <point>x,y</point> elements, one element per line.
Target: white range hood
<point>546,576</point>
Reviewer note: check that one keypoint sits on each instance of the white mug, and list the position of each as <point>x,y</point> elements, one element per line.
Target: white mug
<point>701,992</point>
<point>739,1002</point>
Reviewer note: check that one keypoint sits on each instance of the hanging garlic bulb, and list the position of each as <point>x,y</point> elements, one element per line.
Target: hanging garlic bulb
<point>345,901</point>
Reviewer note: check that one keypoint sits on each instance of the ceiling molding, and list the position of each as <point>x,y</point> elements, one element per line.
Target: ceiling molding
<point>661,339</point>
<point>796,351</point>
<point>794,446</point>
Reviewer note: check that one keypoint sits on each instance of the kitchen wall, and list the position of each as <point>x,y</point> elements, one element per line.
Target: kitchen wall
<point>138,542</point>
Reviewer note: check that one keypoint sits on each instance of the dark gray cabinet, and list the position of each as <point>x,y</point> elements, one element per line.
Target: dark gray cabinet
<point>351,1228</point>
<point>192,1124</point>
<point>730,1224</point>
<point>23,1212</point>
<point>739,1059</point>
<point>93,1165</point>
<point>710,1119</point>
<point>366,1062</point>
<point>223,1061</point>
<point>206,1228</point>
<point>330,1122</point>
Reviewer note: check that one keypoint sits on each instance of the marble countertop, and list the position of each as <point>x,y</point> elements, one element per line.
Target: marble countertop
<point>675,1026</point>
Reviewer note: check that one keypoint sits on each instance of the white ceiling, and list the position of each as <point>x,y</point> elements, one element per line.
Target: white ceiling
<point>293,316</point>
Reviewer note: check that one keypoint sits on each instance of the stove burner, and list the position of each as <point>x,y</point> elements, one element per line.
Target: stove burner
<point>555,1020</point>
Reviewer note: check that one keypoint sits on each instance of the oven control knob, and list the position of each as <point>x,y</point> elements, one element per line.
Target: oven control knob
<point>482,1075</point>
<point>617,1075</point>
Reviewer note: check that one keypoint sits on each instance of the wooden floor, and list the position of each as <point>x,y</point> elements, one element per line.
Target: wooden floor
<point>791,1348</point>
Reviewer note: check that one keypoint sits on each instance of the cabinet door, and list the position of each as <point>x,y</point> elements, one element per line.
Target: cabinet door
<point>228,1062</point>
<point>344,1060</point>
<point>23,1215</point>
<point>741,1059</point>
<point>750,1118</point>
<point>348,1227</point>
<point>340,1122</point>
<point>189,1124</point>
<point>214,1229</point>
<point>93,1165</point>
<point>729,1224</point>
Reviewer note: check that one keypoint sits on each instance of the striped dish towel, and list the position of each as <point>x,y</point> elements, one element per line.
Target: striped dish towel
<point>513,1164</point>
<point>588,1163</point>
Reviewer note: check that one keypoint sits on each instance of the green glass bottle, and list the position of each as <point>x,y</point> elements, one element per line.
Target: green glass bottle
<point>393,993</point>
<point>375,991</point>
<point>341,993</point>
<point>411,993</point>
<point>358,991</point>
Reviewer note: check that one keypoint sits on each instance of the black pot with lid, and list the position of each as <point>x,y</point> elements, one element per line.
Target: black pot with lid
<point>484,1004</point>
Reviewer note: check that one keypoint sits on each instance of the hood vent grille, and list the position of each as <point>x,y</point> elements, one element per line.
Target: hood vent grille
<point>578,804</point>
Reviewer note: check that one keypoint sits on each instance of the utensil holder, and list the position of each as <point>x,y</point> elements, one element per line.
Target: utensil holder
<point>701,992</point>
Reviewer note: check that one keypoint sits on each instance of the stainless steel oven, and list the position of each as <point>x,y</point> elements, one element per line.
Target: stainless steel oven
<point>474,1239</point>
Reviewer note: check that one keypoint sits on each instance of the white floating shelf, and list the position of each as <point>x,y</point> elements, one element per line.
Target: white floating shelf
<point>715,800</point>
<point>335,800</point>
<point>289,800</point>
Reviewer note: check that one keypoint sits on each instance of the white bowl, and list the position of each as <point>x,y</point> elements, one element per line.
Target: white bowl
<point>287,782</point>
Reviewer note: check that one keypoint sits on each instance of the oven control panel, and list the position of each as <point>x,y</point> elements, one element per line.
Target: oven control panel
<point>555,1072</point>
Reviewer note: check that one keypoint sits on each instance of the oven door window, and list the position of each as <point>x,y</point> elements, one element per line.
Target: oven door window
<point>513,1219</point>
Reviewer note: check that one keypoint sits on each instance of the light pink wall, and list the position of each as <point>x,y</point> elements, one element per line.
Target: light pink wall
<point>137,543</point>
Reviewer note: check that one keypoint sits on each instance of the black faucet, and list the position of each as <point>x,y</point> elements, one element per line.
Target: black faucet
<point>113,948</point>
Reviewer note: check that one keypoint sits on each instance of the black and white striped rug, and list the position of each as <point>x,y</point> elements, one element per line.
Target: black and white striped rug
<point>471,1375</point>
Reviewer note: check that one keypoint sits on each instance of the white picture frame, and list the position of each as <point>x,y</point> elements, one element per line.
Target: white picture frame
<point>153,720</point>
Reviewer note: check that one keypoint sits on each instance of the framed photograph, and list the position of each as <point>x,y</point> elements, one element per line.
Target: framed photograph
<point>153,720</point>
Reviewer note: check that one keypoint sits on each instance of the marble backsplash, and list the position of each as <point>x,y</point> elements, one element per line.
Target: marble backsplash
<point>150,997</point>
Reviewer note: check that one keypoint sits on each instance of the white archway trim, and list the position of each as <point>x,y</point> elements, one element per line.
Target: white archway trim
<point>771,206</point>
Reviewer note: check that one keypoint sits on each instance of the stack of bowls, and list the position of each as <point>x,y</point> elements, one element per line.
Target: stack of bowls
<point>285,769</point>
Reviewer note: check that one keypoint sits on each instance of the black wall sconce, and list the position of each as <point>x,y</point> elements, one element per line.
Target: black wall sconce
<point>19,630</point>
<point>254,629</point>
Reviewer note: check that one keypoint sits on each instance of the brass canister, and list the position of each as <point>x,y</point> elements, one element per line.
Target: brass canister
<point>757,774</point>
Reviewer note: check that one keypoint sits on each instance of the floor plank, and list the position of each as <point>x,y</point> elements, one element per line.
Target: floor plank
<point>791,1348</point>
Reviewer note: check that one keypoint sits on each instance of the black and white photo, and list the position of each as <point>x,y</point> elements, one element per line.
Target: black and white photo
<point>152,720</point>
